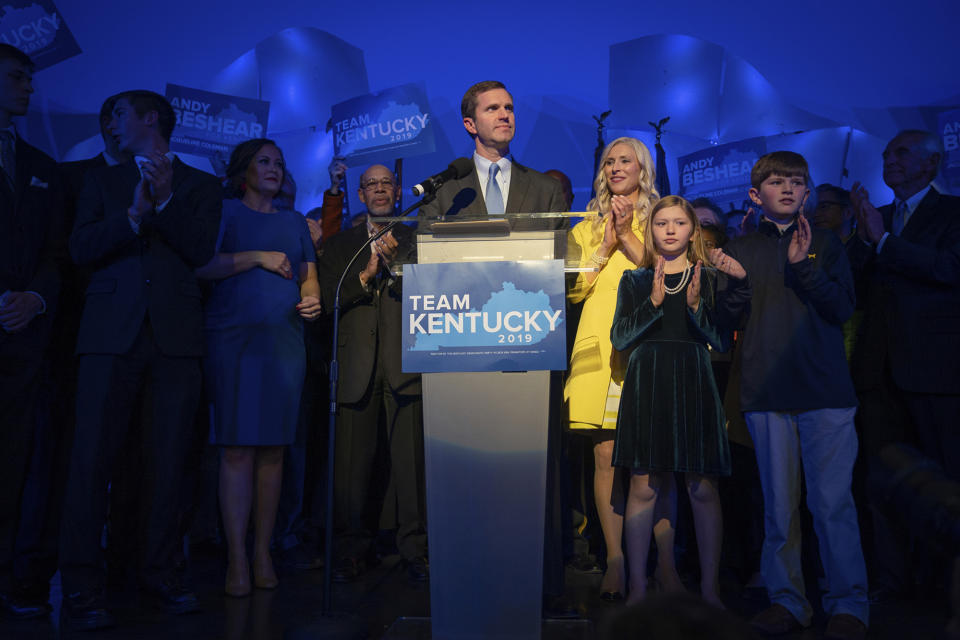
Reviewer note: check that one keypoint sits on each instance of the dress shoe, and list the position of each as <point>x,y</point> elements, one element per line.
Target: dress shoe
<point>418,569</point>
<point>348,569</point>
<point>559,608</point>
<point>611,596</point>
<point>884,595</point>
<point>775,620</point>
<point>86,610</point>
<point>844,626</point>
<point>172,597</point>
<point>20,607</point>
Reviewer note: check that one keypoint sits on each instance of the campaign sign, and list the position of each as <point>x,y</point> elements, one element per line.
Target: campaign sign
<point>36,28</point>
<point>949,128</point>
<point>211,124</point>
<point>721,173</point>
<point>484,316</point>
<point>384,126</point>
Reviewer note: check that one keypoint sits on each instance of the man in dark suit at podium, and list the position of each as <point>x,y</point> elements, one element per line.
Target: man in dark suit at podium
<point>142,227</point>
<point>499,185</point>
<point>372,385</point>
<point>906,364</point>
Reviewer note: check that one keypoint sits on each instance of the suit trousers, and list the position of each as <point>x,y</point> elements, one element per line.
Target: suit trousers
<point>21,356</point>
<point>107,394</point>
<point>824,442</point>
<point>356,445</point>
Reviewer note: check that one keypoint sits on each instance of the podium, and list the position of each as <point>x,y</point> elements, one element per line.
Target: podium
<point>485,440</point>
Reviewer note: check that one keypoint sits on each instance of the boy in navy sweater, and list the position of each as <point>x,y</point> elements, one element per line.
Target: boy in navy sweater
<point>798,399</point>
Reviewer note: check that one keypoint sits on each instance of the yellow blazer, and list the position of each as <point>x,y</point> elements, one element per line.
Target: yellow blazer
<point>593,361</point>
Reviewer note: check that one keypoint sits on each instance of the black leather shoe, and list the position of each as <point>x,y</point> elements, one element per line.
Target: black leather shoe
<point>85,610</point>
<point>19,607</point>
<point>172,597</point>
<point>348,569</point>
<point>418,569</point>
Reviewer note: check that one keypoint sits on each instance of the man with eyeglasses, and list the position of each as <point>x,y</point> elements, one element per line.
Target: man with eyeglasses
<point>372,385</point>
<point>833,211</point>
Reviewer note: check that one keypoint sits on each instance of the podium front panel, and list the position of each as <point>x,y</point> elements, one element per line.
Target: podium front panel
<point>485,441</point>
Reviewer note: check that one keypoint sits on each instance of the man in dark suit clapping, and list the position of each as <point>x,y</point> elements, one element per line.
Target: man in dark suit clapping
<point>142,227</point>
<point>906,365</point>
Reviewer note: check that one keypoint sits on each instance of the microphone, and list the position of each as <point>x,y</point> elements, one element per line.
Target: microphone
<point>459,168</point>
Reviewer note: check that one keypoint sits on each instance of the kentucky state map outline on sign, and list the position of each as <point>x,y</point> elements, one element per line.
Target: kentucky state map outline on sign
<point>451,321</point>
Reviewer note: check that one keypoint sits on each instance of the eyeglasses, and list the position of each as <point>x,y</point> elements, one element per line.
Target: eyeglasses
<point>823,204</point>
<point>386,183</point>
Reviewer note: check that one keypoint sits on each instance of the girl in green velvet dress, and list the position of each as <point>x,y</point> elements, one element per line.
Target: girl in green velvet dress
<point>671,417</point>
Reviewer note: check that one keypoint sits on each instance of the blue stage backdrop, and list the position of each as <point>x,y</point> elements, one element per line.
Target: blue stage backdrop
<point>484,316</point>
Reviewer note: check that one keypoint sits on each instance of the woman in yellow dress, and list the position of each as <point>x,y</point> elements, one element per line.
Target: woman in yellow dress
<point>606,246</point>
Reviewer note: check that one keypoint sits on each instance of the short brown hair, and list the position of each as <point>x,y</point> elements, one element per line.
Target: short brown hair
<point>10,52</point>
<point>779,163</point>
<point>468,106</point>
<point>144,101</point>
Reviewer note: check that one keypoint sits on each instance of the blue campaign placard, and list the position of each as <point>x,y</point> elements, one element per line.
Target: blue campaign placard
<point>380,127</point>
<point>484,316</point>
<point>721,173</point>
<point>37,28</point>
<point>949,128</point>
<point>211,124</point>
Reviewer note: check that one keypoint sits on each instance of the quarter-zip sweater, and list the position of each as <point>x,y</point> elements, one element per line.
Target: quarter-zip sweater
<point>793,355</point>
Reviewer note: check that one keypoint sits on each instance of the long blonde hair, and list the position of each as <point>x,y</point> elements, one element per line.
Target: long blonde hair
<point>648,195</point>
<point>696,249</point>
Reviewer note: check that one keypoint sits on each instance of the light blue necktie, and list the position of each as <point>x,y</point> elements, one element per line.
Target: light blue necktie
<point>899,217</point>
<point>494,197</point>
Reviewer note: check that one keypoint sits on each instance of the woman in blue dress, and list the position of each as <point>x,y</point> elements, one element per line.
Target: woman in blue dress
<point>265,286</point>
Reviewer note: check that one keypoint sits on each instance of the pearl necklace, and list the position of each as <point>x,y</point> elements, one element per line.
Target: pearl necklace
<point>683,281</point>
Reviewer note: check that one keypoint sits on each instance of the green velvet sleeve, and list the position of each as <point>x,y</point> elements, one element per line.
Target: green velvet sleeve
<point>635,313</point>
<point>705,320</point>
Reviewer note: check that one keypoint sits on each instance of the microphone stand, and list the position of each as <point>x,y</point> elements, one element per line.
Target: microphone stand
<point>334,379</point>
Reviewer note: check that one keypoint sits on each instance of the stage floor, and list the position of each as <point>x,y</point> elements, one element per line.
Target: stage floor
<point>384,603</point>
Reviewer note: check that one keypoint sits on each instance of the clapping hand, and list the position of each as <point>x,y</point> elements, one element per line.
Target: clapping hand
<point>693,289</point>
<point>17,309</point>
<point>799,241</point>
<point>658,291</point>
<point>622,210</point>
<point>726,264</point>
<point>158,172</point>
<point>869,219</point>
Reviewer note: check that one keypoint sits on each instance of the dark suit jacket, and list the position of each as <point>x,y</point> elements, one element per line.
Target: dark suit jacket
<point>147,274</point>
<point>74,278</point>
<point>912,311</point>
<point>31,227</point>
<point>370,322</point>
<point>530,192</point>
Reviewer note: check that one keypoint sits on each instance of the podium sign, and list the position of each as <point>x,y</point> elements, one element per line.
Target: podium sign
<point>484,316</point>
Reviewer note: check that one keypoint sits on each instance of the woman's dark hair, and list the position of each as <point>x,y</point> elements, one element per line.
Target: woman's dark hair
<point>240,159</point>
